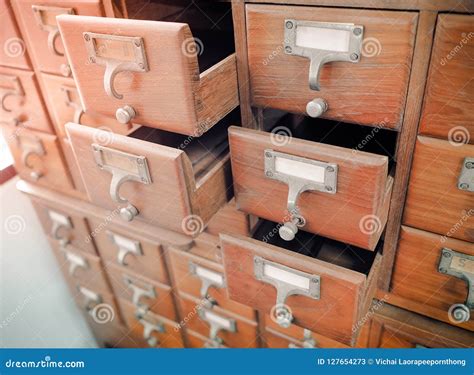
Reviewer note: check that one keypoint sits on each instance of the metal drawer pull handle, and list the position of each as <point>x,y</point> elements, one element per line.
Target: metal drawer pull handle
<point>31,146</point>
<point>300,174</point>
<point>208,278</point>
<point>118,54</point>
<point>308,341</point>
<point>321,43</point>
<point>459,265</point>
<point>149,328</point>
<point>287,282</point>
<point>68,97</point>
<point>123,167</point>
<point>466,177</point>
<point>59,221</point>
<point>16,89</point>
<point>75,261</point>
<point>125,246</point>
<point>216,323</point>
<point>46,19</point>
<point>91,298</point>
<point>139,292</point>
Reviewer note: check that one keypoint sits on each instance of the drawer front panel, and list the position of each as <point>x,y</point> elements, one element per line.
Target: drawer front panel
<point>14,53</point>
<point>162,85</point>
<point>65,227</point>
<point>21,100</point>
<point>38,158</point>
<point>163,199</point>
<point>435,201</point>
<point>371,91</point>
<point>363,188</point>
<point>37,21</point>
<point>150,330</point>
<point>73,168</point>
<point>120,247</point>
<point>233,331</point>
<point>143,293</point>
<point>449,105</point>
<point>332,312</point>
<point>80,268</point>
<point>204,279</point>
<point>65,106</point>
<point>197,341</point>
<point>418,263</point>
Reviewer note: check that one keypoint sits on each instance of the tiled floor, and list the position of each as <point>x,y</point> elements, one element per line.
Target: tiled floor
<point>36,308</point>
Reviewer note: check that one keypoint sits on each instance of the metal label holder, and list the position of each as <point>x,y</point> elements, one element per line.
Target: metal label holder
<point>466,177</point>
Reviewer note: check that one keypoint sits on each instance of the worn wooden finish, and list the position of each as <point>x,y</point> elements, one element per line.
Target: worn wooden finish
<point>231,220</point>
<point>92,276</point>
<point>417,261</point>
<point>13,53</point>
<point>37,39</point>
<point>406,140</point>
<point>162,305</point>
<point>371,92</point>
<point>174,194</point>
<point>448,110</point>
<point>50,165</point>
<point>396,328</point>
<point>150,264</point>
<point>79,187</point>
<point>78,236</point>
<point>172,95</point>
<point>246,330</point>
<point>27,108</point>
<point>105,219</point>
<point>196,340</point>
<point>62,109</point>
<point>361,187</point>
<point>191,284</point>
<point>171,338</point>
<point>344,294</point>
<point>434,202</point>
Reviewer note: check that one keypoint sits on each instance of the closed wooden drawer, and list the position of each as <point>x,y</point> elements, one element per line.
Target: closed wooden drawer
<point>64,103</point>
<point>198,341</point>
<point>151,330</point>
<point>438,295</point>
<point>202,278</point>
<point>318,284</point>
<point>323,189</point>
<point>397,328</point>
<point>162,85</point>
<point>132,252</point>
<point>220,326</point>
<point>73,168</point>
<point>21,102</point>
<point>366,86</point>
<point>14,52</point>
<point>162,178</point>
<point>112,335</point>
<point>66,227</point>
<point>436,202</point>
<point>142,292</point>
<point>80,268</point>
<point>448,110</point>
<point>37,21</point>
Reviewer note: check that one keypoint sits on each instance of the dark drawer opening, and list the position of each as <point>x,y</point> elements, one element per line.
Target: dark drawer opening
<point>324,249</point>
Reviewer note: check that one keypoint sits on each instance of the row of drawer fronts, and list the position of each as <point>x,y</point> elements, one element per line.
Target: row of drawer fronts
<point>20,100</point>
<point>437,201</point>
<point>295,288</point>
<point>37,21</point>
<point>202,278</point>
<point>448,103</point>
<point>357,201</point>
<point>192,103</point>
<point>442,268</point>
<point>14,53</point>
<point>162,188</point>
<point>373,76</point>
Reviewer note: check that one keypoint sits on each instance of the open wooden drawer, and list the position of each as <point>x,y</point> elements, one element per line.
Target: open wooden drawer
<point>316,283</point>
<point>166,179</point>
<point>148,72</point>
<point>322,188</point>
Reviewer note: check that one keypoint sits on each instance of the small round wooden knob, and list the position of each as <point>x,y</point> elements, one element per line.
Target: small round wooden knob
<point>316,107</point>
